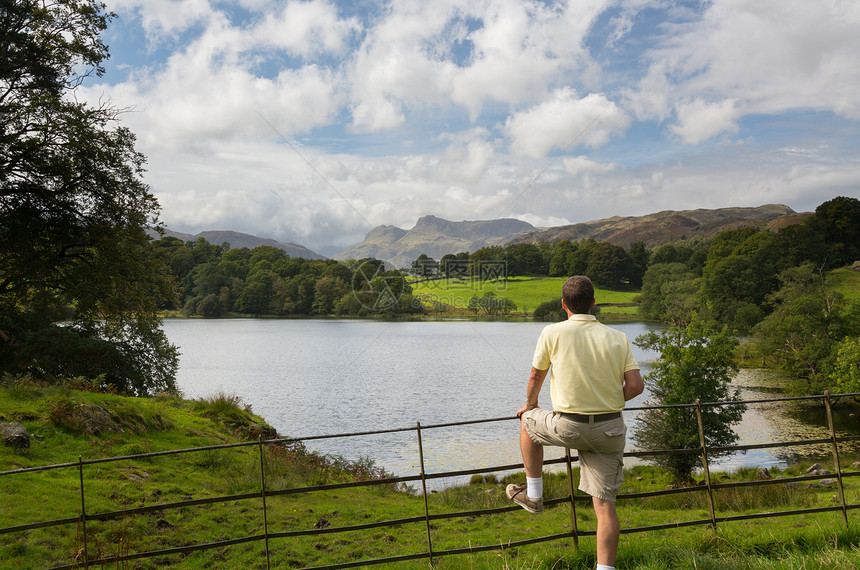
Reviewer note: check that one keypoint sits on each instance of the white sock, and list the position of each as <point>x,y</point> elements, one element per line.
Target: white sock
<point>605,567</point>
<point>534,487</point>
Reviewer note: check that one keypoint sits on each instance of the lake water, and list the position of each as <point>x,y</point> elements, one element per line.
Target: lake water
<point>320,377</point>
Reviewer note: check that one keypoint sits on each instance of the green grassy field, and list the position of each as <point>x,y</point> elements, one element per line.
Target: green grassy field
<point>58,436</point>
<point>845,281</point>
<point>526,292</point>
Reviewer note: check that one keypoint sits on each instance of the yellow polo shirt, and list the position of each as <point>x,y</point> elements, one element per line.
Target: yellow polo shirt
<point>588,362</point>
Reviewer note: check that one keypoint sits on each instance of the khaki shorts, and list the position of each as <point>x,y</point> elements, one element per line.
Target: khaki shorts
<point>600,446</point>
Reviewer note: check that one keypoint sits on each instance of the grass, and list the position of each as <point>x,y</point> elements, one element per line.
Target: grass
<point>526,292</point>
<point>845,281</point>
<point>144,425</point>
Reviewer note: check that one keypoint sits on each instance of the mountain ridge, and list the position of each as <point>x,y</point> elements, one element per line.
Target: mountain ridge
<point>667,225</point>
<point>239,239</point>
<point>433,236</point>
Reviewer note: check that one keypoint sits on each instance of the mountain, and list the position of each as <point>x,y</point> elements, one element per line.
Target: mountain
<point>667,226</point>
<point>435,237</point>
<point>237,240</point>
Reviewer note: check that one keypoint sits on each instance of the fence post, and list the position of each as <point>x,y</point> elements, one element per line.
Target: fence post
<point>424,492</point>
<point>829,409</point>
<point>573,526</point>
<point>263,493</point>
<point>83,512</point>
<point>705,463</point>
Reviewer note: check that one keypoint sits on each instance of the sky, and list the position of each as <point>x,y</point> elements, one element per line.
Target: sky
<point>315,121</point>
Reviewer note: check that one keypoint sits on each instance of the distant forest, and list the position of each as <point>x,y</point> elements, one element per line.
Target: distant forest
<point>216,280</point>
<point>751,280</point>
<point>731,275</point>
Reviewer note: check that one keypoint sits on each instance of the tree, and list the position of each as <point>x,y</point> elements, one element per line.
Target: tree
<point>844,373</point>
<point>609,266</point>
<point>668,294</point>
<point>327,291</point>
<point>425,266</point>
<point>494,304</point>
<point>740,272</point>
<point>523,259</point>
<point>73,211</point>
<point>550,311</point>
<point>836,220</point>
<point>807,323</point>
<point>560,255</point>
<point>695,363</point>
<point>453,265</point>
<point>638,263</point>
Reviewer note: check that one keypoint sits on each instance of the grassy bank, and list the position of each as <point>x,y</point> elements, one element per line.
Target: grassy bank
<point>845,281</point>
<point>526,292</point>
<point>65,423</point>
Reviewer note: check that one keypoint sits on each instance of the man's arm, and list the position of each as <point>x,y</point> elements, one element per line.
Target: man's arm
<point>536,379</point>
<point>633,384</point>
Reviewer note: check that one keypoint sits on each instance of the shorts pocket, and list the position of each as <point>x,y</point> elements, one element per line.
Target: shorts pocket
<point>611,438</point>
<point>567,430</point>
<point>615,431</point>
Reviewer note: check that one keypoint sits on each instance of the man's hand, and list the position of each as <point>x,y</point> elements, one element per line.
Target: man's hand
<point>536,379</point>
<point>524,409</point>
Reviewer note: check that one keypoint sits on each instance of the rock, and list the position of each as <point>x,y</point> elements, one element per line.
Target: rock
<point>762,474</point>
<point>15,435</point>
<point>814,467</point>
<point>83,417</point>
<point>135,476</point>
<point>827,482</point>
<point>789,484</point>
<point>856,465</point>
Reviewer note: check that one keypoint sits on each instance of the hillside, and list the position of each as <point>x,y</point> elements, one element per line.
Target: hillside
<point>238,239</point>
<point>204,509</point>
<point>435,237</point>
<point>667,226</point>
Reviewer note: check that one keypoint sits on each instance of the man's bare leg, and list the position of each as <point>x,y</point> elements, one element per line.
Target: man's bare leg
<point>608,531</point>
<point>532,454</point>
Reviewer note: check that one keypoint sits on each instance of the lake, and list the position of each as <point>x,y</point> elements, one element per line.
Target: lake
<point>313,377</point>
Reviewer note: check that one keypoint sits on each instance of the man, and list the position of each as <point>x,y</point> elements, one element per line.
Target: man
<point>593,373</point>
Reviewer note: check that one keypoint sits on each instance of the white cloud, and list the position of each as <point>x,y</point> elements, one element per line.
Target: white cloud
<point>163,19</point>
<point>465,160</point>
<point>449,107</point>
<point>699,120</point>
<point>766,57</point>
<point>565,121</point>
<point>584,165</point>
<point>306,28</point>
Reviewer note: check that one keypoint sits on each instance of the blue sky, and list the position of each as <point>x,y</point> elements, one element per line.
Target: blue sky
<point>315,121</point>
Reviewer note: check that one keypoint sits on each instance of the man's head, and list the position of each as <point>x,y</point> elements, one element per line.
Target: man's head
<point>577,293</point>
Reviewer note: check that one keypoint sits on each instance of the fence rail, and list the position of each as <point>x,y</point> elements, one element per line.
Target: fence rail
<point>430,554</point>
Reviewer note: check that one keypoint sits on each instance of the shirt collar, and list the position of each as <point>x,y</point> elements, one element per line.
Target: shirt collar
<point>577,317</point>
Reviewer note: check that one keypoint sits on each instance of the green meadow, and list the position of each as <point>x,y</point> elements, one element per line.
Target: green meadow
<point>845,281</point>
<point>129,426</point>
<point>526,292</point>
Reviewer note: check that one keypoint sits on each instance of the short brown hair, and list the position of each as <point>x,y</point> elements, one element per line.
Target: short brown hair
<point>578,294</point>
